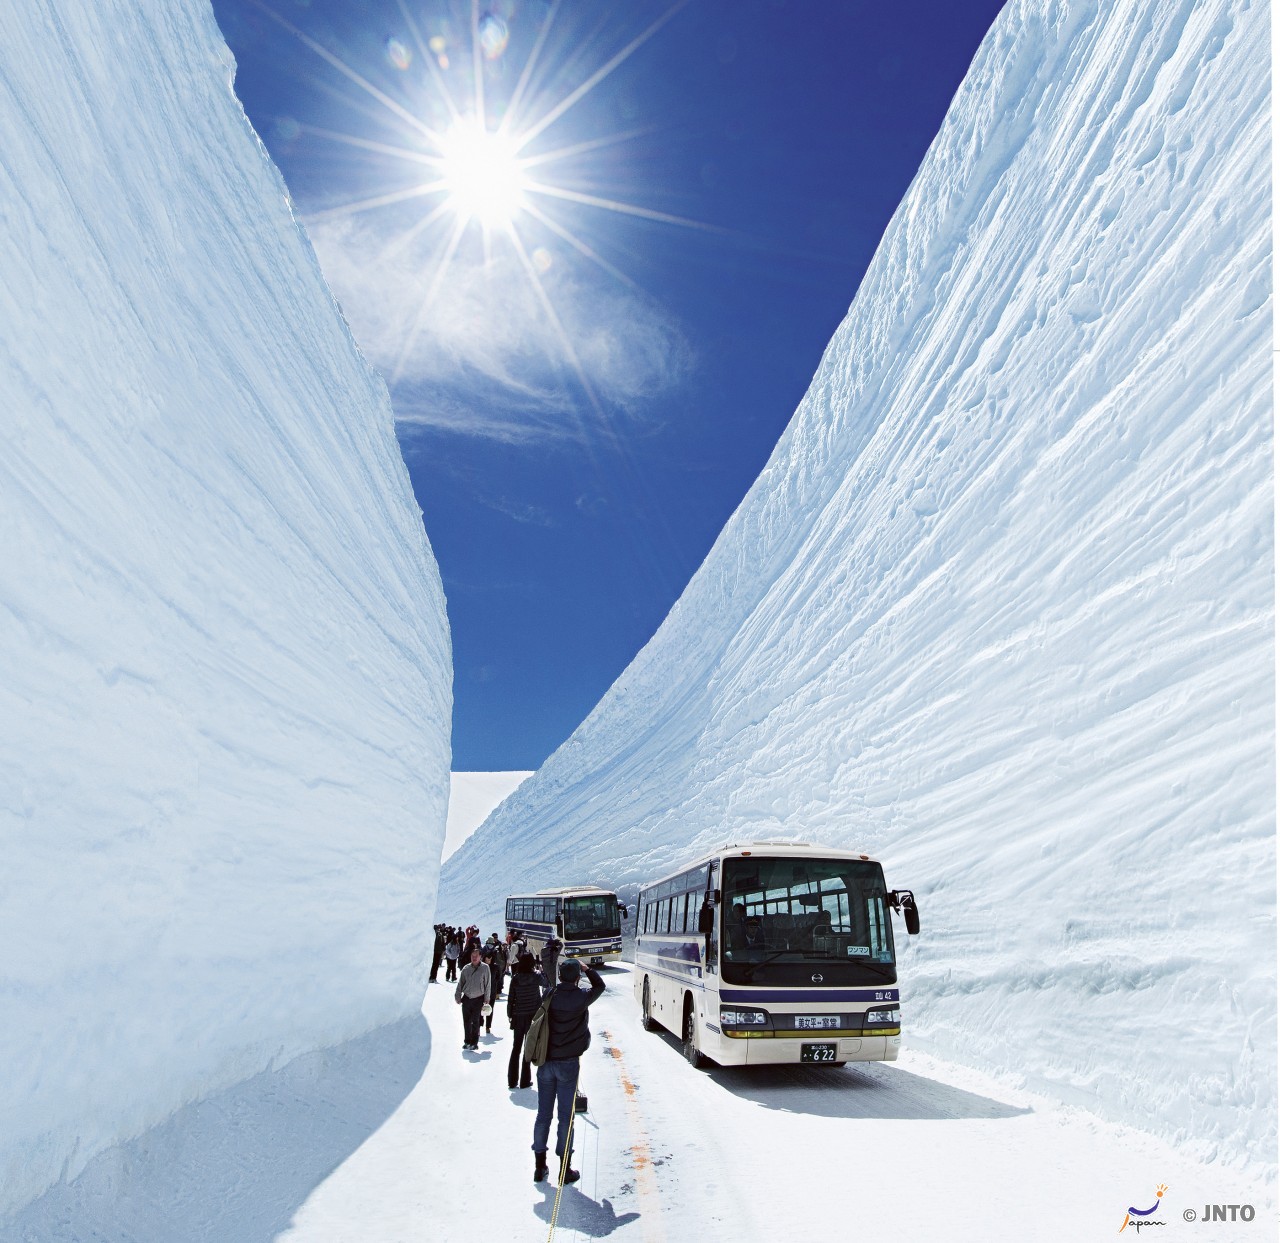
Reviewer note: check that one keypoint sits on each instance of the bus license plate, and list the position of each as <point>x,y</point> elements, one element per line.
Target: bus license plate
<point>817,1053</point>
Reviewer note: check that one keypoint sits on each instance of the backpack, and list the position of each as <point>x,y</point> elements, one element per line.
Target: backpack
<point>538,1039</point>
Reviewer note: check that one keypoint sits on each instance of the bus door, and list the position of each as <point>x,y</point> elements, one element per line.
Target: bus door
<point>707,922</point>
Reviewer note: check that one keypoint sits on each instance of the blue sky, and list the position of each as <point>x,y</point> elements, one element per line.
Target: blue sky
<point>588,380</point>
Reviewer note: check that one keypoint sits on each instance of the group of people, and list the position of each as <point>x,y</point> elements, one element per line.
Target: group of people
<point>479,987</point>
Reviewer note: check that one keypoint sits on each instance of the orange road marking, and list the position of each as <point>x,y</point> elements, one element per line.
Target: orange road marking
<point>641,1157</point>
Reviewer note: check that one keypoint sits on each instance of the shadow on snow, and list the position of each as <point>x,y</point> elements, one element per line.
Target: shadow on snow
<point>857,1090</point>
<point>578,1212</point>
<point>236,1167</point>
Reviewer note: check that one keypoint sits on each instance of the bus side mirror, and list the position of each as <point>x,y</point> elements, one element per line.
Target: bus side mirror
<point>904,902</point>
<point>623,911</point>
<point>707,919</point>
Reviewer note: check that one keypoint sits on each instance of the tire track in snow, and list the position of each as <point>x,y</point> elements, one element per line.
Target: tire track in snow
<point>641,1156</point>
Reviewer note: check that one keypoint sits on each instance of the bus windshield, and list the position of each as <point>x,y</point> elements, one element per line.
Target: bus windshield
<point>594,916</point>
<point>805,921</point>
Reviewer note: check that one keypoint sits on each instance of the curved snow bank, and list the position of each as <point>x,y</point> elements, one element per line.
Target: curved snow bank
<point>999,608</point>
<point>225,698</point>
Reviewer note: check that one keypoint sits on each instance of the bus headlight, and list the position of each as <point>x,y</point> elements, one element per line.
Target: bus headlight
<point>884,1016</point>
<point>742,1018</point>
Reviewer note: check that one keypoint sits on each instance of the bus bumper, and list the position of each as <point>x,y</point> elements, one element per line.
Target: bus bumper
<point>775,1051</point>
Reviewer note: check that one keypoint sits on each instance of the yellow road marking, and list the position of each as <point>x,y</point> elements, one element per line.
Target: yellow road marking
<point>641,1156</point>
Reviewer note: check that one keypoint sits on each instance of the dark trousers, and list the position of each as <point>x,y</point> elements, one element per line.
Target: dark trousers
<point>518,1062</point>
<point>493,1000</point>
<point>471,1019</point>
<point>451,970</point>
<point>436,956</point>
<point>558,1088</point>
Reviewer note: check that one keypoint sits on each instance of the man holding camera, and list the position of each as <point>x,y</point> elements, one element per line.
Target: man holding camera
<point>568,1035</point>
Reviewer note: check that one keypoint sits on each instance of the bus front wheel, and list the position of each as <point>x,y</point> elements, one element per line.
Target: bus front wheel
<point>691,1053</point>
<point>647,1021</point>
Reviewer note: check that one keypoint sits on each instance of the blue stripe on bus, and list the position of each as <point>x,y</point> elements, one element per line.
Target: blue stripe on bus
<point>679,957</point>
<point>546,931</point>
<point>666,967</point>
<point>685,981</point>
<point>690,951</point>
<point>729,994</point>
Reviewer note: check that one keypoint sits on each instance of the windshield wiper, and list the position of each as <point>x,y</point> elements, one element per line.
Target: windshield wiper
<point>884,970</point>
<point>750,968</point>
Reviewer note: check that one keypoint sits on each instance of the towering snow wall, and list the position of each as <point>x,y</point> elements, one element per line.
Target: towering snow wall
<point>1000,607</point>
<point>225,689</point>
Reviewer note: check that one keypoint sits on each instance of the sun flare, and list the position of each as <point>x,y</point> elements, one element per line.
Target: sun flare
<point>482,174</point>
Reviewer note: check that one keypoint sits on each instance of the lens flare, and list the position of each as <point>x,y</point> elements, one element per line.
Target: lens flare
<point>482,174</point>
<point>398,54</point>
<point>493,35</point>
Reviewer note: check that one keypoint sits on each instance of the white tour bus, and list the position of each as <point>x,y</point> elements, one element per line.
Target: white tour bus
<point>773,952</point>
<point>584,917</point>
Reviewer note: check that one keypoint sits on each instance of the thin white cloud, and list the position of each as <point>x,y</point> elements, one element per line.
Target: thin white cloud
<point>486,358</point>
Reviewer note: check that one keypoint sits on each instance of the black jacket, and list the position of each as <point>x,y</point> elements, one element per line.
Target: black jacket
<point>568,1028</point>
<point>524,995</point>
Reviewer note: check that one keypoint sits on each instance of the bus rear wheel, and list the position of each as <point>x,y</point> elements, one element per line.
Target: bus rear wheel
<point>647,1021</point>
<point>691,1053</point>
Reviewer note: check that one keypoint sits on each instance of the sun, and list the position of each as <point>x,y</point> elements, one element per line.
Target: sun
<point>482,174</point>
<point>486,176</point>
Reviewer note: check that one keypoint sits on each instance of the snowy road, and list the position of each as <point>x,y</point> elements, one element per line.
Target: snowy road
<point>917,1150</point>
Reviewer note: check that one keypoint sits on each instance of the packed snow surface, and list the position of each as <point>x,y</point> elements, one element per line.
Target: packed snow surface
<point>999,609</point>
<point>362,1144</point>
<point>225,698</point>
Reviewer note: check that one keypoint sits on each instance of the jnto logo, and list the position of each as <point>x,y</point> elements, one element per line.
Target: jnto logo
<point>1134,1215</point>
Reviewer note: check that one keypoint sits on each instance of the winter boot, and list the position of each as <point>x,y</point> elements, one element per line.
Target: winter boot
<point>570,1176</point>
<point>539,1167</point>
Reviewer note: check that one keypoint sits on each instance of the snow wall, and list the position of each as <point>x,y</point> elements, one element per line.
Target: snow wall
<point>225,690</point>
<point>999,609</point>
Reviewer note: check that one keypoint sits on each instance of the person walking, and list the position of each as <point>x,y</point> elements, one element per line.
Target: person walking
<point>437,953</point>
<point>491,956</point>
<point>523,999</point>
<point>551,960</point>
<point>568,1037</point>
<point>499,968</point>
<point>452,952</point>
<point>471,993</point>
